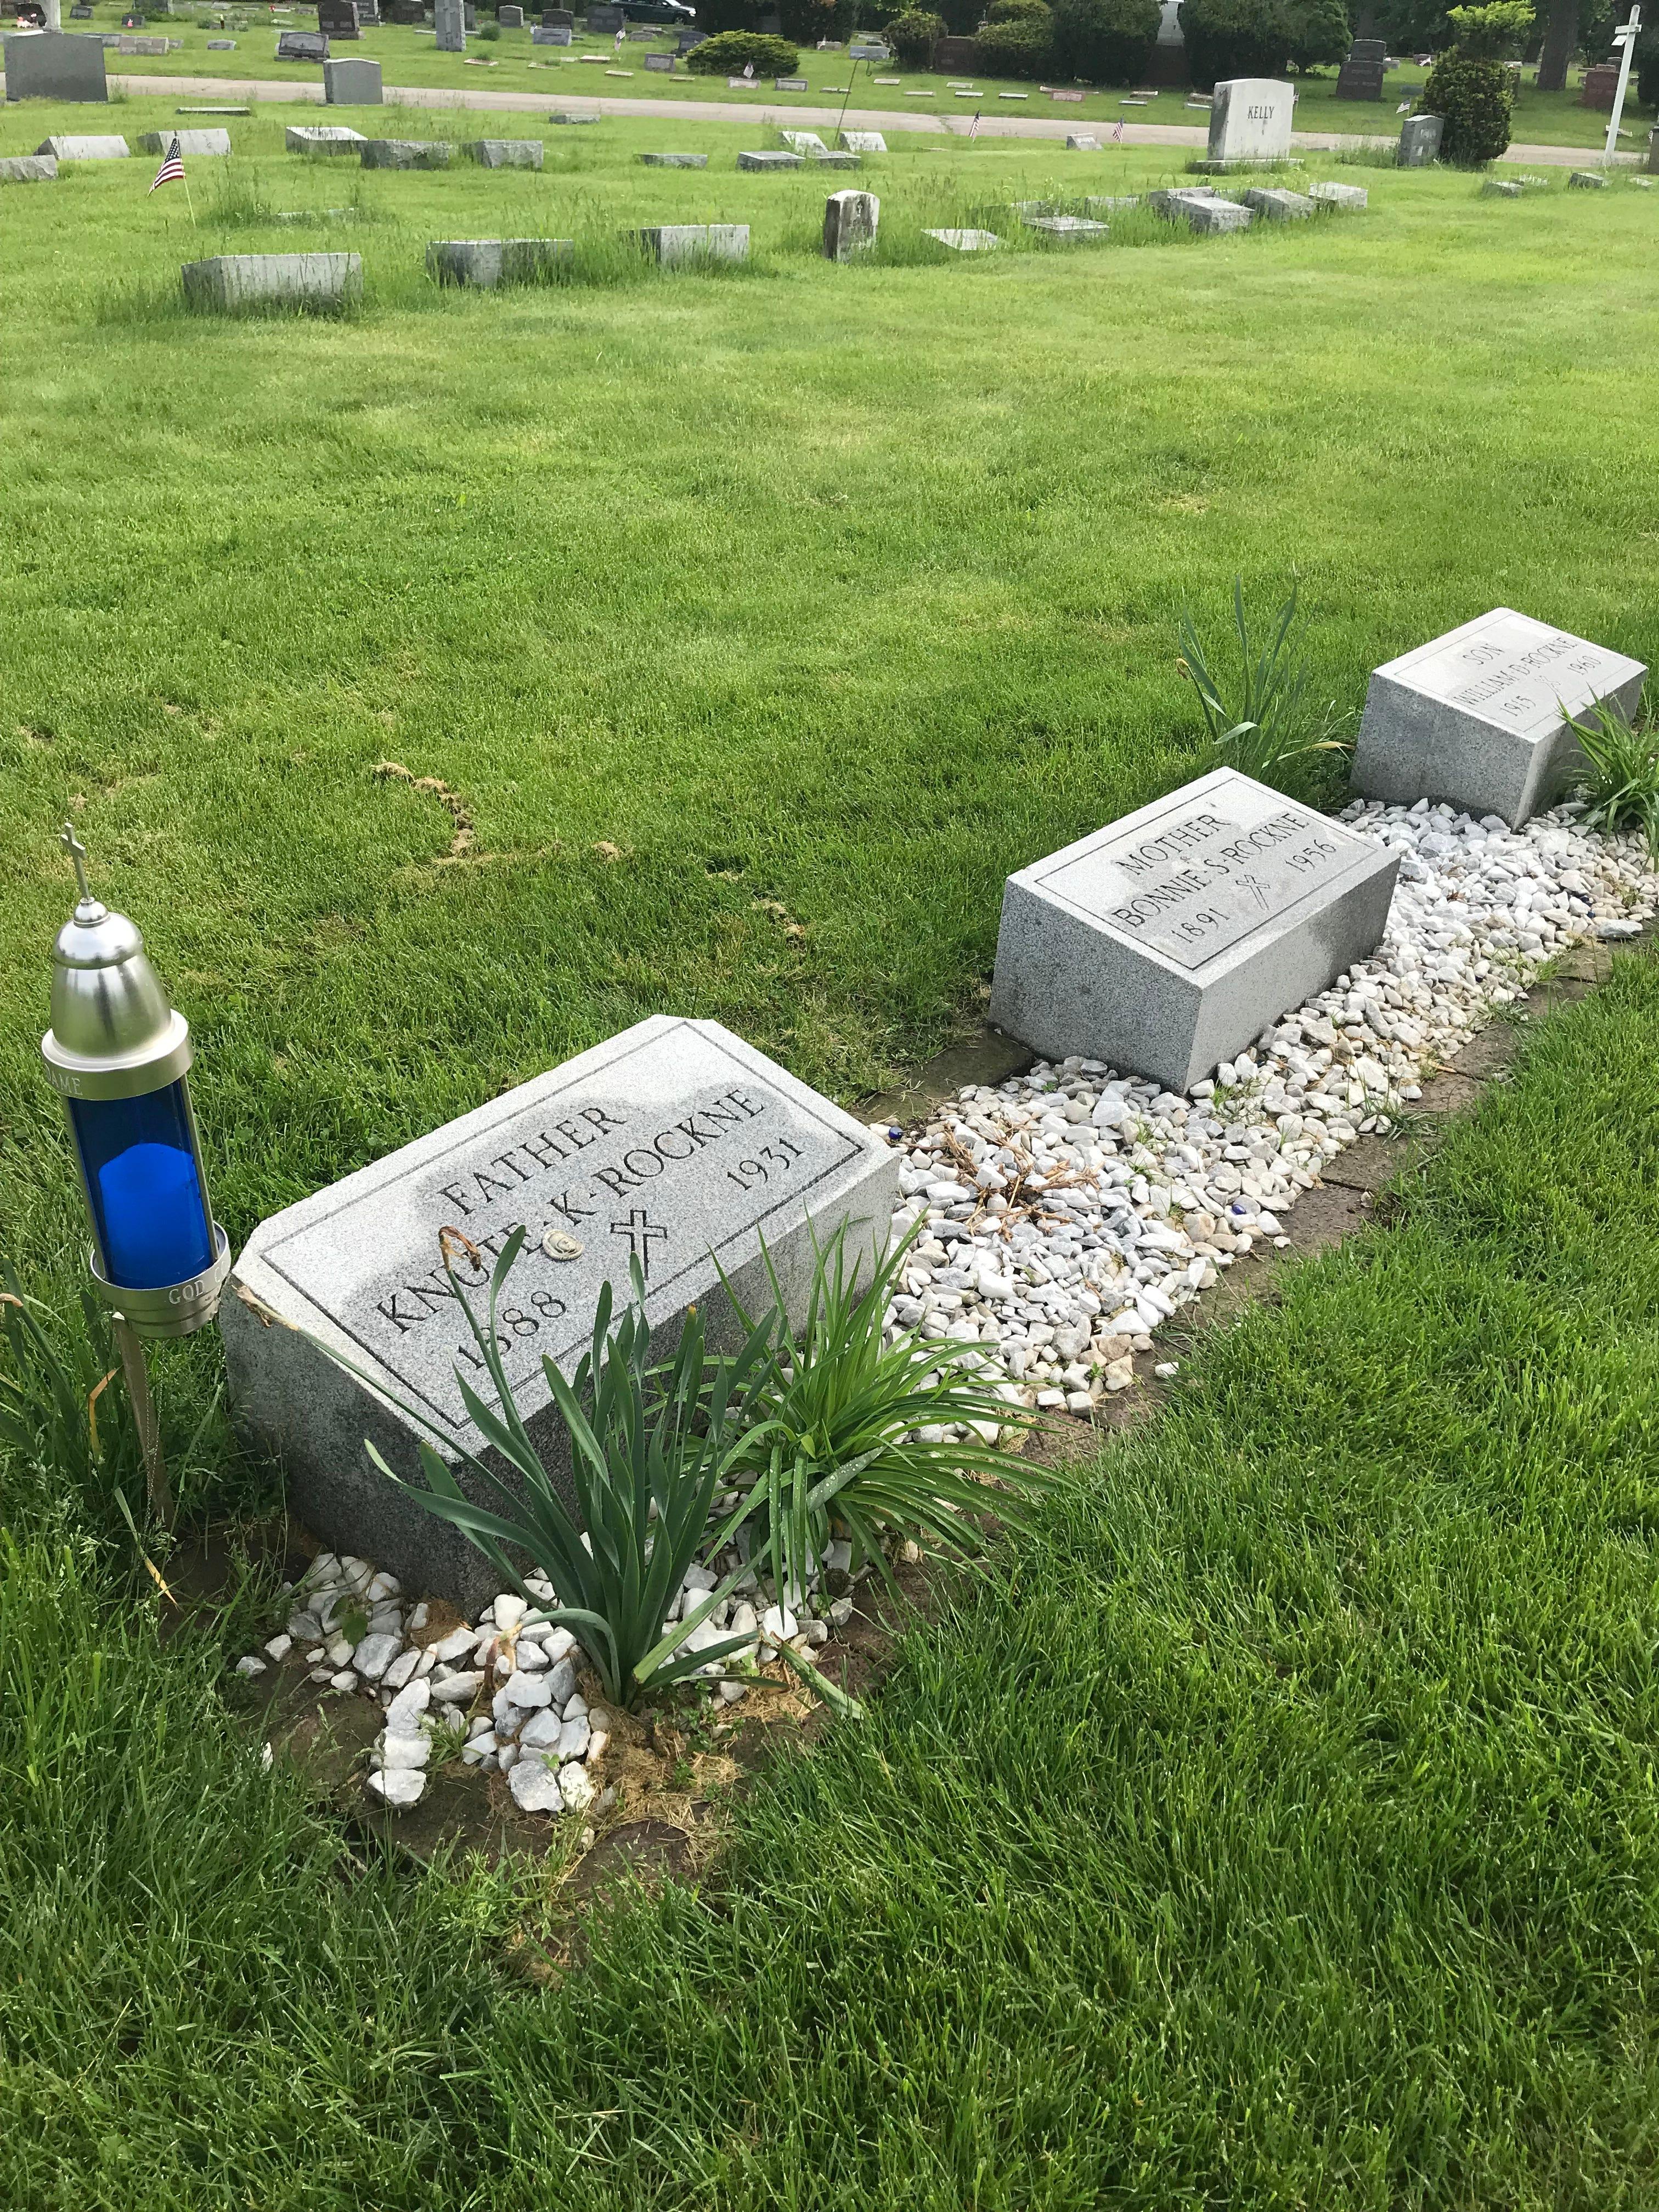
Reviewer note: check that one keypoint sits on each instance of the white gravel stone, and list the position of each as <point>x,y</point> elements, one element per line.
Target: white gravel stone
<point>508,1610</point>
<point>403,1750</point>
<point>251,1666</point>
<point>374,1655</point>
<point>535,1787</point>
<point>542,1731</point>
<point>407,1706</point>
<point>402,1667</point>
<point>458,1689</point>
<point>399,1785</point>
<point>574,1787</point>
<point>279,1647</point>
<point>456,1646</point>
<point>528,1689</point>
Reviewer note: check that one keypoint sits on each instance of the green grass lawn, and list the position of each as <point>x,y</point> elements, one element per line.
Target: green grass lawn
<point>511,64</point>
<point>1277,1826</point>
<point>848,589</point>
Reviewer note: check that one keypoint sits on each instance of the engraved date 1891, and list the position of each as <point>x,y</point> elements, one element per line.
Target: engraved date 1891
<point>772,1160</point>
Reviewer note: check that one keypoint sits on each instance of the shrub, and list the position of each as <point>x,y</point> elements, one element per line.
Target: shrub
<point>1235,38</point>
<point>1476,99</point>
<point>729,53</point>
<point>913,35</point>
<point>1019,42</point>
<point>1494,34</point>
<point>1320,35</point>
<point>807,21</point>
<point>877,15</point>
<point>1264,719</point>
<point>1104,41</point>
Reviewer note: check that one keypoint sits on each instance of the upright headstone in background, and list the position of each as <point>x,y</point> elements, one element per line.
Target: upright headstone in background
<point>660,64</point>
<point>1167,940</point>
<point>550,34</point>
<point>449,16</point>
<point>602,20</point>
<point>1419,140</point>
<point>849,224</point>
<point>55,65</point>
<point>509,18</point>
<point>675,1144</point>
<point>1600,86</point>
<point>1360,77</point>
<point>302,47</point>
<point>1250,122</point>
<point>558,19</point>
<point>1478,717</point>
<point>338,18</point>
<point>353,82</point>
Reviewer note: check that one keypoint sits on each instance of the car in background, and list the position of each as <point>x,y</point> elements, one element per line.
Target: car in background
<point>673,14</point>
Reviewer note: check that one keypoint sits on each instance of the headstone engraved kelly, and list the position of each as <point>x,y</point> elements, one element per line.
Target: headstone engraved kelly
<point>1250,122</point>
<point>1166,941</point>
<point>1479,717</point>
<point>675,1144</point>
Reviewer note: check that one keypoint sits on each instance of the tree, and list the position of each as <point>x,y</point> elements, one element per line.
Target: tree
<point>1560,44</point>
<point>1104,41</point>
<point>1320,36</point>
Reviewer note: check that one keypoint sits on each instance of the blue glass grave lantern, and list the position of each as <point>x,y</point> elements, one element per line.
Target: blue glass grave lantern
<point>118,1055</point>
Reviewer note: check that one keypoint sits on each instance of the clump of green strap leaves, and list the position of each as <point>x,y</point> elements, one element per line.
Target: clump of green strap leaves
<point>1621,790</point>
<point>814,1431</point>
<point>1263,718</point>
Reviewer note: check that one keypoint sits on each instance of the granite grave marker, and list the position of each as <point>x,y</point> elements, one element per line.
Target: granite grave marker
<point>1478,717</point>
<point>675,1144</point>
<point>1167,940</point>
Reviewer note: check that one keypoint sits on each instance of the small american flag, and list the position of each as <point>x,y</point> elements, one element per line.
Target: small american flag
<point>172,171</point>
<point>1117,131</point>
<point>973,128</point>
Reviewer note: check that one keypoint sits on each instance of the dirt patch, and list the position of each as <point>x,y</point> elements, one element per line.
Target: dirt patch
<point>461,844</point>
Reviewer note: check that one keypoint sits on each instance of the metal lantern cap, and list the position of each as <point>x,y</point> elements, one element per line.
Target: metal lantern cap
<point>113,1034</point>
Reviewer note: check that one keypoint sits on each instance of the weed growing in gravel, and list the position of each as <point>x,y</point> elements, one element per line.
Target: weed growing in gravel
<point>1623,786</point>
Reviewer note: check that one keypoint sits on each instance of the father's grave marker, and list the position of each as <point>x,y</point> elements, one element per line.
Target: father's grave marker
<point>1477,718</point>
<point>676,1143</point>
<point>1166,941</point>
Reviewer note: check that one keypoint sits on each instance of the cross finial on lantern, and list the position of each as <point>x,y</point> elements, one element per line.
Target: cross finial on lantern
<point>77,853</point>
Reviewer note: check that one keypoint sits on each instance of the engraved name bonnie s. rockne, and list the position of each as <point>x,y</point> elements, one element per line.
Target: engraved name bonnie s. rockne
<point>1164,941</point>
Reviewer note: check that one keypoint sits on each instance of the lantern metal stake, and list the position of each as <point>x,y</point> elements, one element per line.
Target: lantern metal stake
<point>118,1055</point>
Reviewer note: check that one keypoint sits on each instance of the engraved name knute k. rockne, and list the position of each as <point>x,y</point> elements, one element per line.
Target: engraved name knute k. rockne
<point>534,1175</point>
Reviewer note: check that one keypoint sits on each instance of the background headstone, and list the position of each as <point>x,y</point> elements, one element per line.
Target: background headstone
<point>770,160</point>
<point>449,18</point>
<point>28,169</point>
<point>322,138</point>
<point>1278,205</point>
<point>604,20</point>
<point>1419,140</point>
<point>354,81</point>
<point>663,64</point>
<point>676,1142</point>
<point>485,262</point>
<point>1250,120</point>
<point>406,153</point>
<point>674,161</point>
<point>505,153</point>
<point>850,221</point>
<point>69,148</point>
<point>1478,717</point>
<point>1600,86</point>
<point>55,65</point>
<point>1360,77</point>
<point>233,281</point>
<point>210,144</point>
<point>338,18</point>
<point>1169,939</point>
<point>552,35</point>
<point>510,18</point>
<point>864,142</point>
<point>676,243</point>
<point>302,47</point>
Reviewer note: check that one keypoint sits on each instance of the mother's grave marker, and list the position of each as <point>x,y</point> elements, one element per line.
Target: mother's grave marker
<point>1479,716</point>
<point>1166,941</point>
<point>675,1144</point>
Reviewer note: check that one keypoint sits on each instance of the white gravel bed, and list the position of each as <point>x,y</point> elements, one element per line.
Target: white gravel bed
<point>1072,1211</point>
<point>502,1695</point>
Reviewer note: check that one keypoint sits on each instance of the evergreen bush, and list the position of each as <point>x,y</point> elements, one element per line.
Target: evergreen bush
<point>1016,39</point>
<point>1472,87</point>
<point>1104,41</point>
<point>807,21</point>
<point>1320,34</point>
<point>729,52</point>
<point>913,35</point>
<point>1235,38</point>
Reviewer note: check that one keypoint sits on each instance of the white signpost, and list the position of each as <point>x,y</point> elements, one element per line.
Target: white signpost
<point>1625,38</point>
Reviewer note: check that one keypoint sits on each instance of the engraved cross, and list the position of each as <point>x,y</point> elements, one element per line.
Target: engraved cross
<point>640,1231</point>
